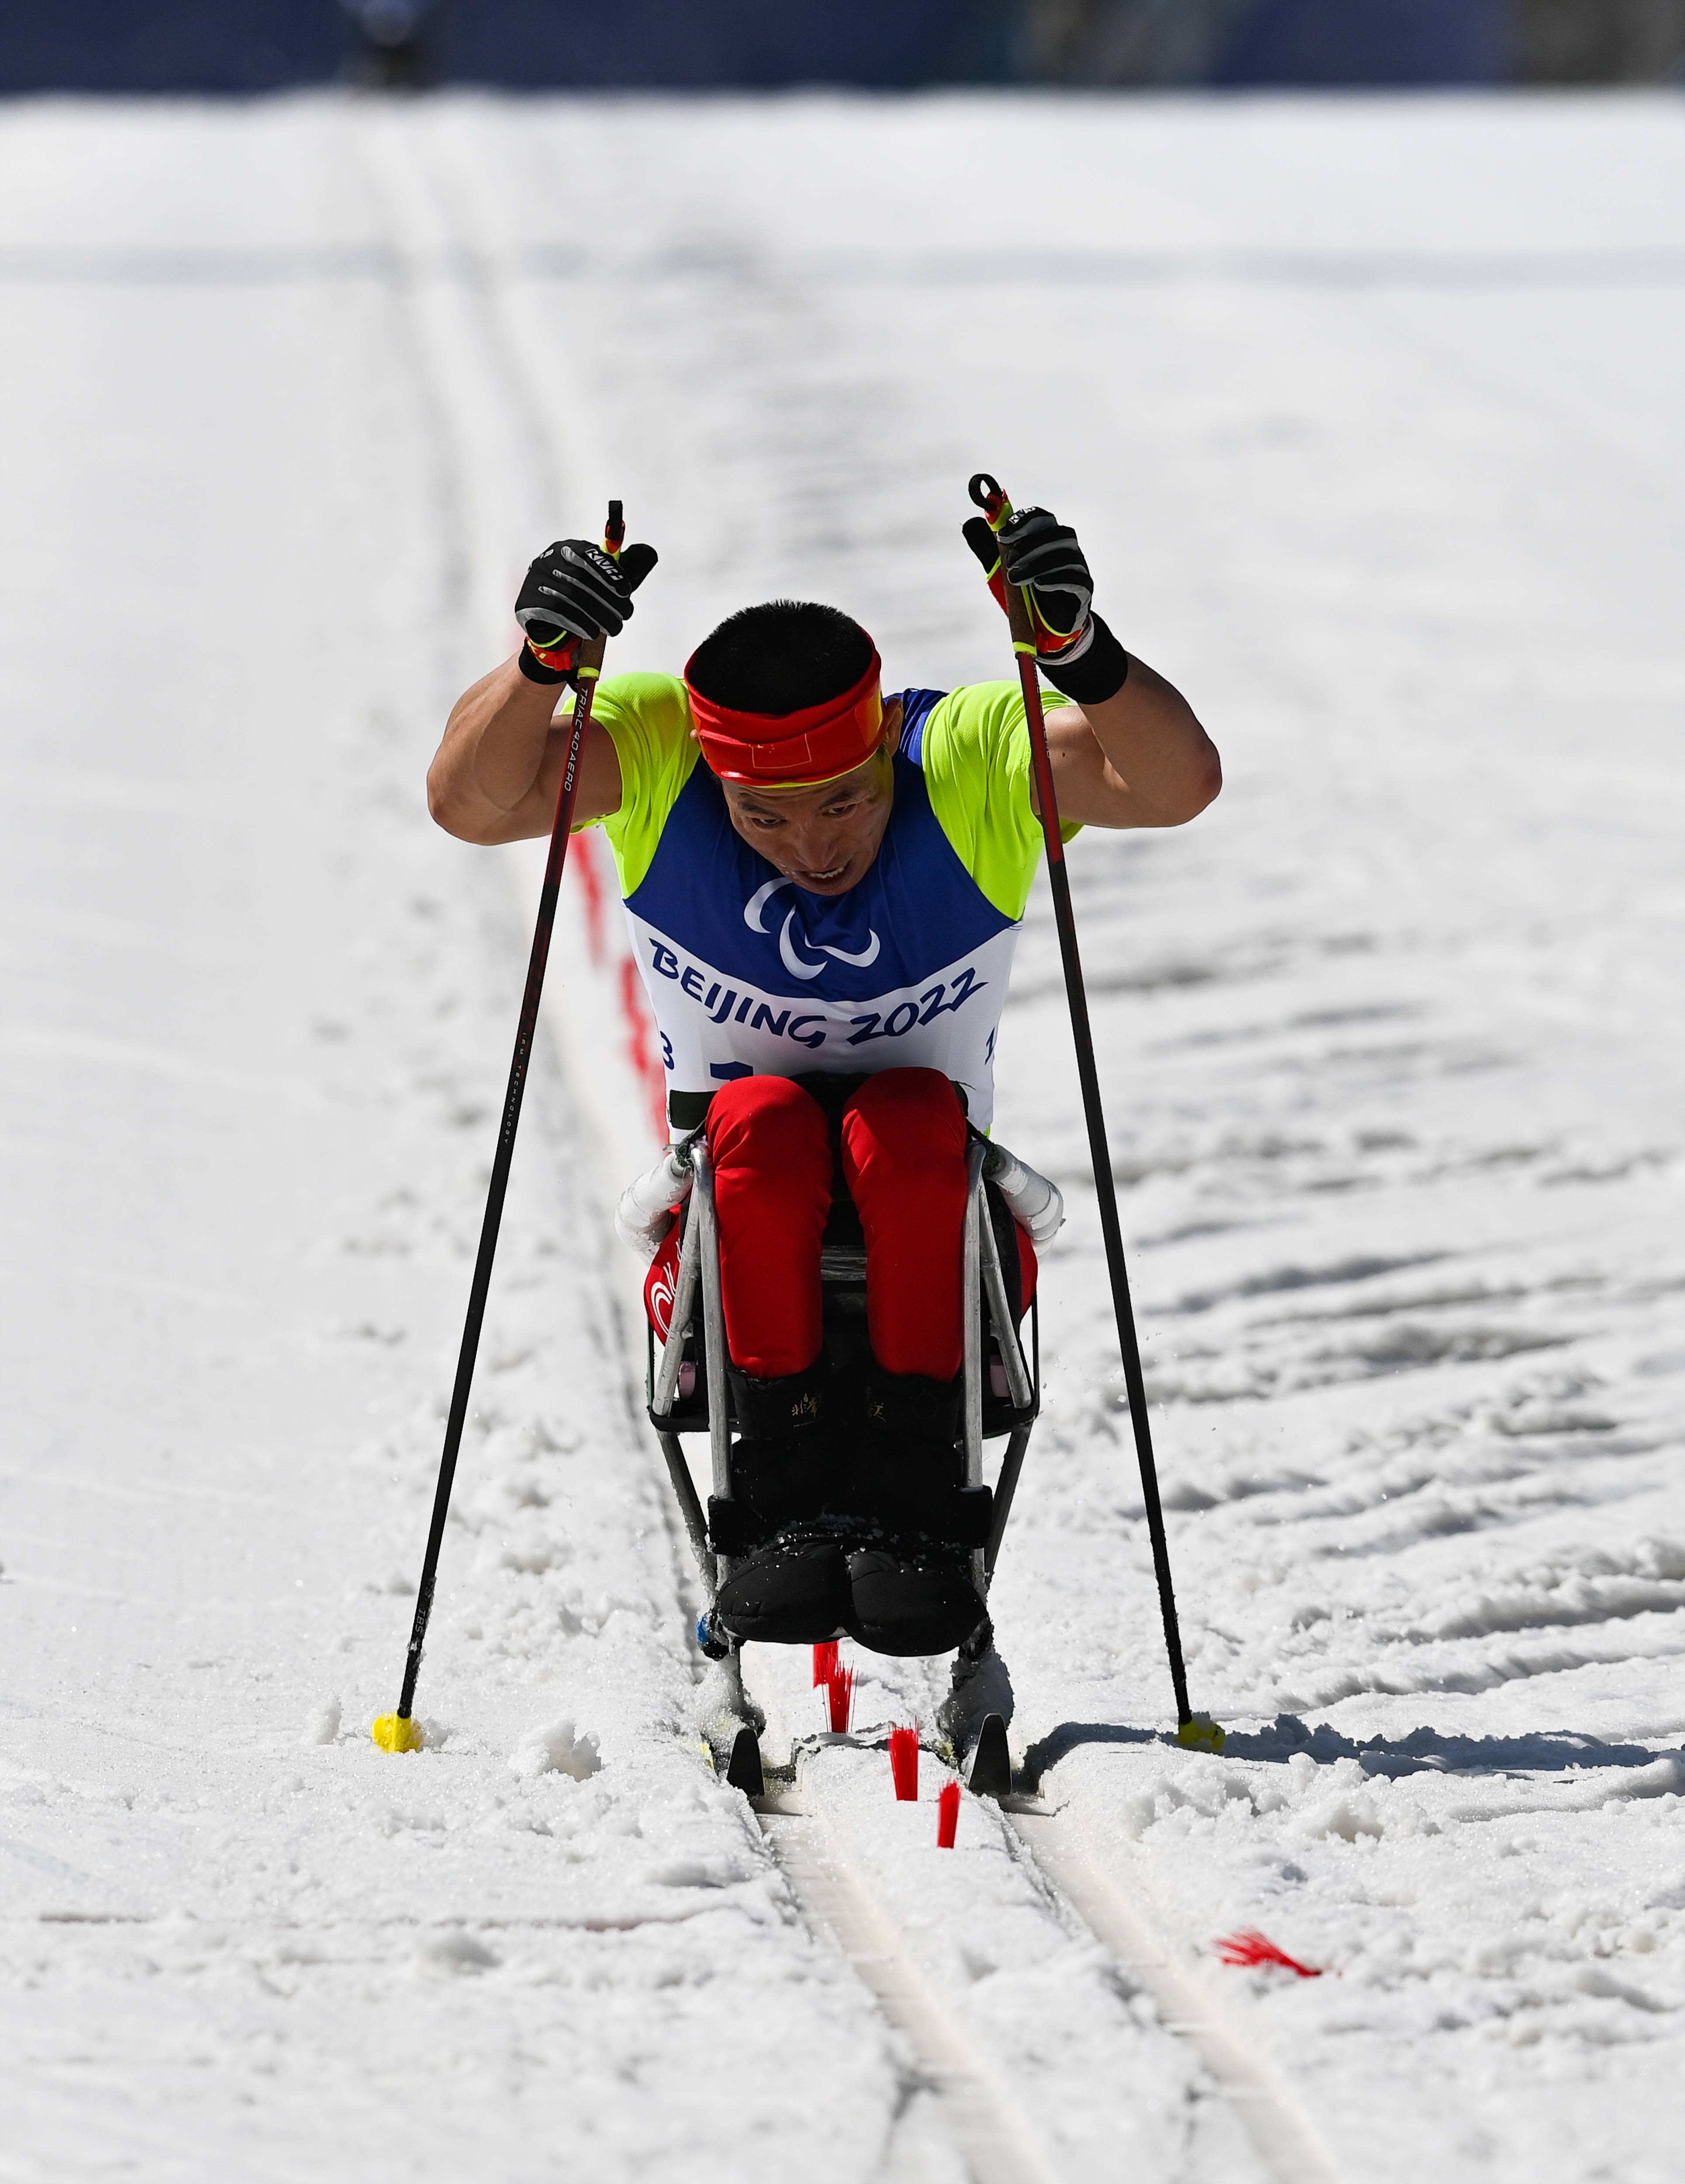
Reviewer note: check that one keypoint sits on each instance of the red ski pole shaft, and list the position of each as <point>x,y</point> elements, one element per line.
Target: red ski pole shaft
<point>987,494</point>
<point>392,1731</point>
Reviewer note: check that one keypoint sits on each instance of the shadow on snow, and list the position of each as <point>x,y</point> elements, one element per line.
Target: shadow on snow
<point>1424,1751</point>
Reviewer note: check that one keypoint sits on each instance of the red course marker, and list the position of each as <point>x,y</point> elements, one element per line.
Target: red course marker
<point>840,1691</point>
<point>825,1660</point>
<point>904,1761</point>
<point>947,1816</point>
<point>1250,1946</point>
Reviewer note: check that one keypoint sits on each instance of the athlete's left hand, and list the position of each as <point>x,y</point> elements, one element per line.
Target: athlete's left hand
<point>1034,549</point>
<point>1074,648</point>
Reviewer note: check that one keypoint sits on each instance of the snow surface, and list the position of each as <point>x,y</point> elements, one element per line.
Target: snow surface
<point>1368,413</point>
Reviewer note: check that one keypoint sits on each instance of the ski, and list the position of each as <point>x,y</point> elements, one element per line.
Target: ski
<point>991,1774</point>
<point>743,1768</point>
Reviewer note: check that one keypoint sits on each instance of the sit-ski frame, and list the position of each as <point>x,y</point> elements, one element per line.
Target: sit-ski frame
<point>984,1288</point>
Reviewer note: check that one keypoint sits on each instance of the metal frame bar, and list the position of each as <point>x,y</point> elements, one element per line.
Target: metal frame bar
<point>690,1508</point>
<point>713,1324</point>
<point>976,1219</point>
<point>1005,1333</point>
<point>1011,1464</point>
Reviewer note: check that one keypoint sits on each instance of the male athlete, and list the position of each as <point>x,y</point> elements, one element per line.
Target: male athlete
<point>824,888</point>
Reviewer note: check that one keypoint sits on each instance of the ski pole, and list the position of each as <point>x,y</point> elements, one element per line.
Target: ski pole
<point>397,1732</point>
<point>1193,1729</point>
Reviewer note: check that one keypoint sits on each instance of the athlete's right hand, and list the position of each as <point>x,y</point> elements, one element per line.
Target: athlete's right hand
<point>575,592</point>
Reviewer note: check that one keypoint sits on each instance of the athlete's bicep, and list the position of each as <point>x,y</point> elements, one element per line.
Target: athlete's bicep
<point>597,796</point>
<point>599,772</point>
<point>1090,792</point>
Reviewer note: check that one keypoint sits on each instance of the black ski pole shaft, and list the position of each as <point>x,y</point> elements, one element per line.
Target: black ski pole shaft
<point>393,1730</point>
<point>986,494</point>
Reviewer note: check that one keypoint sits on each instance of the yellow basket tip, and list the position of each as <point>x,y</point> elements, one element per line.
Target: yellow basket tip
<point>393,1733</point>
<point>1202,1734</point>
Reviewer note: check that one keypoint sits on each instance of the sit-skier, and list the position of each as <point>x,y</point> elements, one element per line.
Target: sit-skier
<point>824,888</point>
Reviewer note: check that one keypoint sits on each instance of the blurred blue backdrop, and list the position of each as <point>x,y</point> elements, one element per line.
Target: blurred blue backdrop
<point>244,46</point>
<point>1368,41</point>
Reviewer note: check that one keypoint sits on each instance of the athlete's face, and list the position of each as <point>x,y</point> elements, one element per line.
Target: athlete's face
<point>823,839</point>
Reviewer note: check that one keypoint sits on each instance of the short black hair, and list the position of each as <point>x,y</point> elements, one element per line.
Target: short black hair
<point>781,657</point>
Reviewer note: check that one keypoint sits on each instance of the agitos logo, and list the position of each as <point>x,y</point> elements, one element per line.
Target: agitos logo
<point>792,938</point>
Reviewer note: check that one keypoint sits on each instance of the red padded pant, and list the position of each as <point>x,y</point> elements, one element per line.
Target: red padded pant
<point>903,1160</point>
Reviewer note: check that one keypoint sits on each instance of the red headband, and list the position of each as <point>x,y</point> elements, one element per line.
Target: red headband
<point>793,750</point>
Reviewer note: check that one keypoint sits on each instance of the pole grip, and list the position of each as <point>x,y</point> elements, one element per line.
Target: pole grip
<point>990,495</point>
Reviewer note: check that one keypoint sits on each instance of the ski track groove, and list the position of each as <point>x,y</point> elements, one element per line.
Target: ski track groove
<point>986,2125</point>
<point>1280,2133</point>
<point>985,2122</point>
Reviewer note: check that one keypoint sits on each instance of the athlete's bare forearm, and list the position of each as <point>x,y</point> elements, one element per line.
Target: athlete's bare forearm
<point>1137,759</point>
<point>498,772</point>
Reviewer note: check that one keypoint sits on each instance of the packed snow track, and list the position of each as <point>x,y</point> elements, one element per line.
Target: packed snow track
<point>1367,415</point>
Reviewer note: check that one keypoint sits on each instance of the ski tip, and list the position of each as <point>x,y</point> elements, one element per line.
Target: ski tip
<point>394,1732</point>
<point>991,1760</point>
<point>743,1771</point>
<point>1199,1733</point>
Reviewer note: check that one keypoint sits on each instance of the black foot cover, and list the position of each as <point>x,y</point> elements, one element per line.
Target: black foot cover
<point>793,1591</point>
<point>744,1772</point>
<point>991,1760</point>
<point>907,1599</point>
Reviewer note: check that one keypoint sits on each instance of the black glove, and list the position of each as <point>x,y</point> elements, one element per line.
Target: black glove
<point>1074,649</point>
<point>575,592</point>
